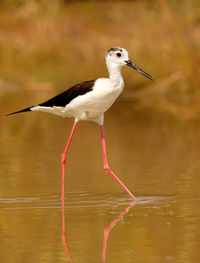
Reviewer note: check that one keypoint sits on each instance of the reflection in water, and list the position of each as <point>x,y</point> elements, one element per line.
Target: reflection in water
<point>111,225</point>
<point>106,231</point>
<point>64,238</point>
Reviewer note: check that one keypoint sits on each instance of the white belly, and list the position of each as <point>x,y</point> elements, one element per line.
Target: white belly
<point>96,102</point>
<point>90,106</point>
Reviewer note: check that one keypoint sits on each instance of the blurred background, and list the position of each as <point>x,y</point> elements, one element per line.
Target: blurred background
<point>43,42</point>
<point>152,132</point>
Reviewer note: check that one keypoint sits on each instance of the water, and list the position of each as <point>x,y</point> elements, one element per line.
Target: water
<point>155,155</point>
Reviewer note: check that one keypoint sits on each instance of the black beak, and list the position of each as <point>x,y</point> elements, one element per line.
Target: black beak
<point>132,65</point>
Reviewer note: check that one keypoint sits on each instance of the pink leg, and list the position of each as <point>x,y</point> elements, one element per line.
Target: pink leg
<point>63,160</point>
<point>107,168</point>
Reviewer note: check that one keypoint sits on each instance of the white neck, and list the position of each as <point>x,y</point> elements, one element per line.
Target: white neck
<point>115,73</point>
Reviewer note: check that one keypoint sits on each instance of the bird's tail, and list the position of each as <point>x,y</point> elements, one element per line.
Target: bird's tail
<point>24,110</point>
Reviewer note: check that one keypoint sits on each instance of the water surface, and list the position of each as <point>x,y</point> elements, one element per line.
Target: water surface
<point>155,155</point>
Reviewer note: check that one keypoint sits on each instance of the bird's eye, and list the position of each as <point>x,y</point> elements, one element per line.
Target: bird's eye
<point>118,54</point>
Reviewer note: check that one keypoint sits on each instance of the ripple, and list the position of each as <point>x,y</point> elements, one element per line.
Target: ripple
<point>76,200</point>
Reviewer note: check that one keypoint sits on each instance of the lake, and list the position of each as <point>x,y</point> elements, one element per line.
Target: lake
<point>155,154</point>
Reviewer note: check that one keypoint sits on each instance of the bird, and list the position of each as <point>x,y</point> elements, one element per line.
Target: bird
<point>89,100</point>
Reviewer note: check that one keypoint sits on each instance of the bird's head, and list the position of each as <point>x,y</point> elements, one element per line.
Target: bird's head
<point>118,57</point>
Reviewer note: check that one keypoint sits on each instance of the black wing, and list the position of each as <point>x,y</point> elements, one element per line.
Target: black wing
<point>64,98</point>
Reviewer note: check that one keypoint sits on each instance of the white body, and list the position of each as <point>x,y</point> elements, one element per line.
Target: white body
<point>92,105</point>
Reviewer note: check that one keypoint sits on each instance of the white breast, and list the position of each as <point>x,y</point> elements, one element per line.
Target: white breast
<point>94,103</point>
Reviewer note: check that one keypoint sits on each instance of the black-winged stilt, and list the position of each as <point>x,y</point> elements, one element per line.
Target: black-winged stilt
<point>89,100</point>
